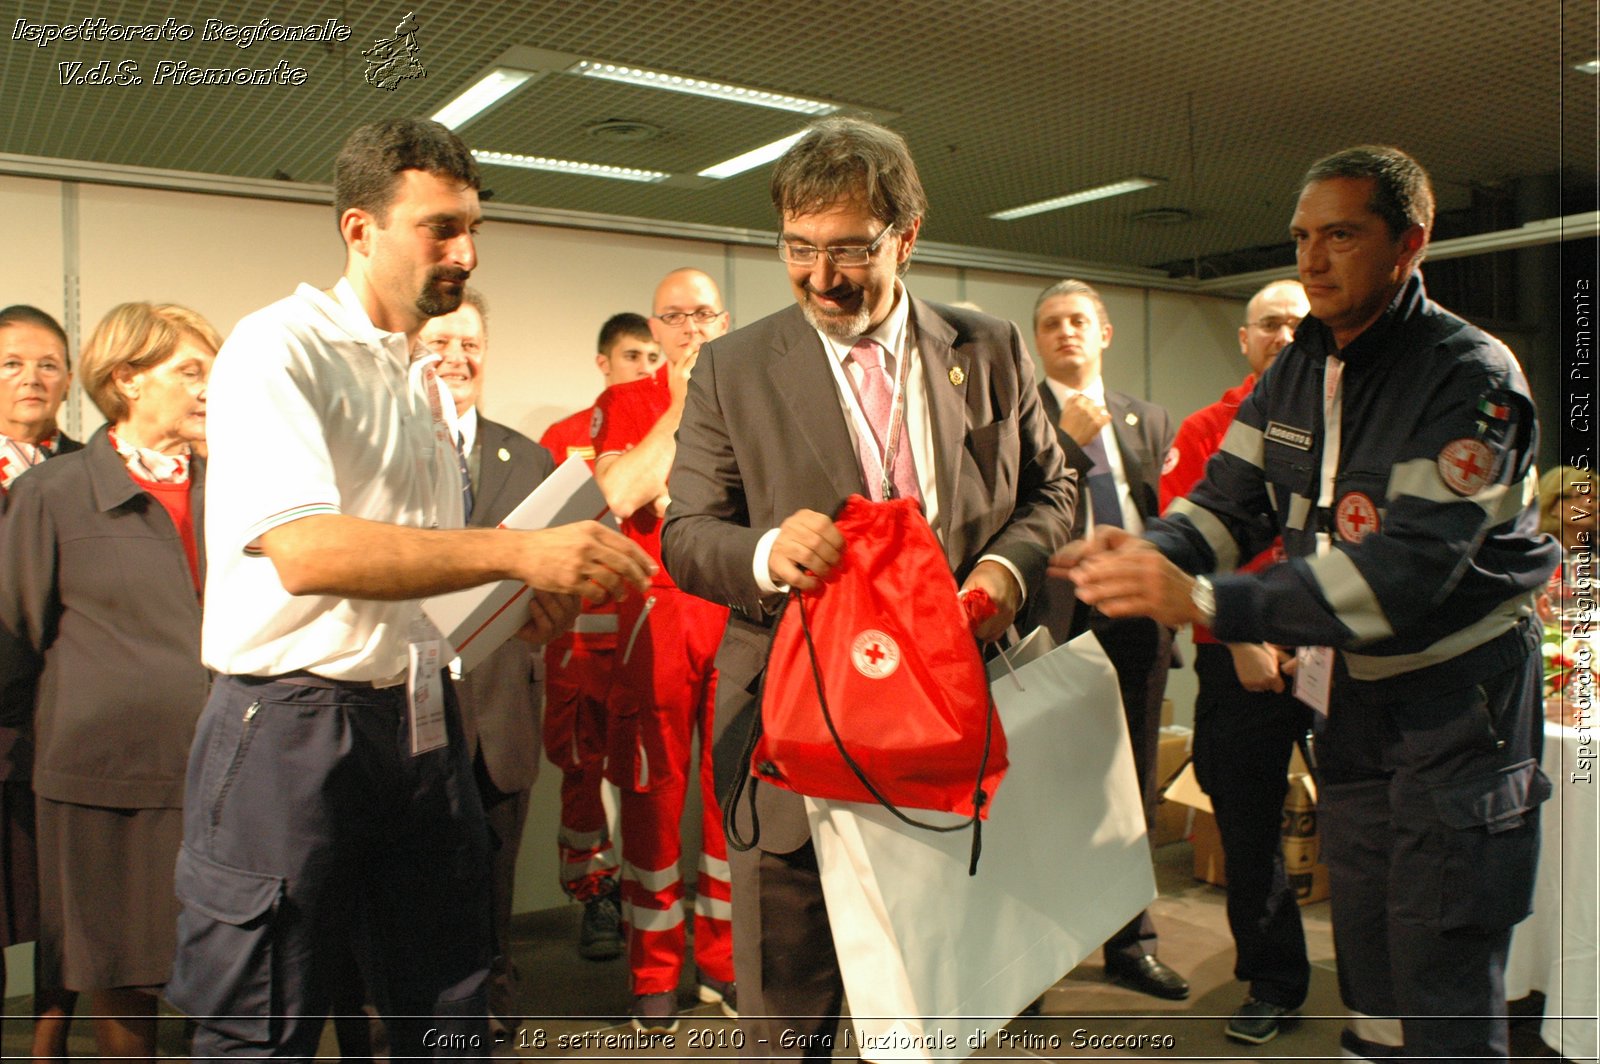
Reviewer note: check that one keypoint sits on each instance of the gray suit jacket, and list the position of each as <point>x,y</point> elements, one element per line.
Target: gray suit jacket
<point>763,435</point>
<point>500,699</point>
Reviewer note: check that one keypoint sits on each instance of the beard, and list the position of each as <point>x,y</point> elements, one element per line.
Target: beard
<point>436,299</point>
<point>842,326</point>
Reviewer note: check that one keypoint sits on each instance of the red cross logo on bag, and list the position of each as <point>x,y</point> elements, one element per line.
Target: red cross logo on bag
<point>1466,466</point>
<point>1355,517</point>
<point>874,654</point>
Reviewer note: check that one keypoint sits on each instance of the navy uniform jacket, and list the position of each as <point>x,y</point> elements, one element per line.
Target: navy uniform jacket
<point>1436,552</point>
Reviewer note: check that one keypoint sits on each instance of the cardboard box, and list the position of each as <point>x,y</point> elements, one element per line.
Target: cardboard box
<point>1172,755</point>
<point>1302,843</point>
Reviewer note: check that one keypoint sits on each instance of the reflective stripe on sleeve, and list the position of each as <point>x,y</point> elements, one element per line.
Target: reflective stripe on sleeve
<point>1352,598</point>
<point>1245,443</point>
<point>1419,479</point>
<point>1214,532</point>
<point>1375,667</point>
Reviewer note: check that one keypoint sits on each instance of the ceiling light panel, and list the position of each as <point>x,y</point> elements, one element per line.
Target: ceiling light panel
<point>655,79</point>
<point>568,166</point>
<point>753,158</point>
<point>1072,199</point>
<point>483,94</point>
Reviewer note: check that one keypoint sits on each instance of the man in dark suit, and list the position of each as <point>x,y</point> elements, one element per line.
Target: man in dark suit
<point>500,698</point>
<point>859,389</point>
<point>1118,444</point>
<point>35,372</point>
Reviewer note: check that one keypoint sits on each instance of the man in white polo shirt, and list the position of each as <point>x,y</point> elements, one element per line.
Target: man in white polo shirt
<point>330,800</point>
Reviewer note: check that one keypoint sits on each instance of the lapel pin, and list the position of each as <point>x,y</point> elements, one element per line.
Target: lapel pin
<point>505,455</point>
<point>957,377</point>
<point>1131,418</point>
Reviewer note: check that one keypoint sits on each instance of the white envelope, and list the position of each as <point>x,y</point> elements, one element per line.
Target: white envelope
<point>478,619</point>
<point>936,961</point>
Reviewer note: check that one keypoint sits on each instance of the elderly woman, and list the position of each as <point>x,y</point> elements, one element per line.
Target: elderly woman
<point>100,579</point>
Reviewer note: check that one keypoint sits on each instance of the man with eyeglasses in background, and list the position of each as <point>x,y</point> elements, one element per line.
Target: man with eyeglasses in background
<point>785,419</point>
<point>664,685</point>
<point>1246,722</point>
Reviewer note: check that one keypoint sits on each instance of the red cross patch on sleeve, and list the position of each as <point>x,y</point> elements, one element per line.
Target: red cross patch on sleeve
<point>1355,517</point>
<point>1466,465</point>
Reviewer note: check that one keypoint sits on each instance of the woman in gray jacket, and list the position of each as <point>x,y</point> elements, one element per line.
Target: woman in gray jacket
<point>101,577</point>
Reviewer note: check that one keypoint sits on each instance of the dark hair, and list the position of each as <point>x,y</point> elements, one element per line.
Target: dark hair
<point>368,166</point>
<point>23,314</point>
<point>841,159</point>
<point>1402,195</point>
<point>1070,287</point>
<point>625,324</point>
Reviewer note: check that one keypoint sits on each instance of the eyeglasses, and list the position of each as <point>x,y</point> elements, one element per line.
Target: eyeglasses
<point>703,316</point>
<point>840,255</point>
<point>1272,325</point>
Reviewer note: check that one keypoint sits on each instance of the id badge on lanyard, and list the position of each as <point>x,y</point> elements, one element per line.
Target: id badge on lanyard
<point>1313,676</point>
<point>425,696</point>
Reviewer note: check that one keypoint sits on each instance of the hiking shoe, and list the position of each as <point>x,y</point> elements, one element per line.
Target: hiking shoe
<point>600,934</point>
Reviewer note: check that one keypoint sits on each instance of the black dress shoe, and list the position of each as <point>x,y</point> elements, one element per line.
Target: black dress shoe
<point>1149,976</point>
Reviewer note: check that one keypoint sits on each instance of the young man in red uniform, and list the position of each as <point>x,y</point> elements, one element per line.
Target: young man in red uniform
<point>1247,721</point>
<point>578,669</point>
<point>665,685</point>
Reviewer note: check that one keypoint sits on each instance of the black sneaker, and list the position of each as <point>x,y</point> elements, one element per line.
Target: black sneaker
<point>1255,1022</point>
<point>655,1013</point>
<point>600,934</point>
<point>725,994</point>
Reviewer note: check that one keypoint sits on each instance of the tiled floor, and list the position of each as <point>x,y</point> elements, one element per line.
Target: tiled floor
<point>580,1005</point>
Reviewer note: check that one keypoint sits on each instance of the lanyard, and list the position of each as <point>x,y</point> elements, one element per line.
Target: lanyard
<point>423,373</point>
<point>897,417</point>
<point>1332,418</point>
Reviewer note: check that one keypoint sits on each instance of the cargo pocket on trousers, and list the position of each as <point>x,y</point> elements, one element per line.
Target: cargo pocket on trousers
<point>1491,857</point>
<point>224,966</point>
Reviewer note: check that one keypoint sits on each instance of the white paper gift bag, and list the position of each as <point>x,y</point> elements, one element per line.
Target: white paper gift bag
<point>936,961</point>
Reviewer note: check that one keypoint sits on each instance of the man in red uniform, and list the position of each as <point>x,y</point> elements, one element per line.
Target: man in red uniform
<point>1246,723</point>
<point>578,669</point>
<point>665,685</point>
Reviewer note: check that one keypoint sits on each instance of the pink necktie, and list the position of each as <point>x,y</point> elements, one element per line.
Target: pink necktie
<point>876,392</point>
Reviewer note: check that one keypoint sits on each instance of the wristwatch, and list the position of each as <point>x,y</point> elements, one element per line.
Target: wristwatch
<point>1204,597</point>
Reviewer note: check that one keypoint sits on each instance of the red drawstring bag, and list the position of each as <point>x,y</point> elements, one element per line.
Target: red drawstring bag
<point>874,688</point>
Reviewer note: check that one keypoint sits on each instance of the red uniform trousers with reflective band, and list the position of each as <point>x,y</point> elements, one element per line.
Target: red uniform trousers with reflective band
<point>577,681</point>
<point>665,687</point>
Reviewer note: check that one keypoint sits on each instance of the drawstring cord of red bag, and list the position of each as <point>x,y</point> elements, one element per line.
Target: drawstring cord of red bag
<point>980,797</point>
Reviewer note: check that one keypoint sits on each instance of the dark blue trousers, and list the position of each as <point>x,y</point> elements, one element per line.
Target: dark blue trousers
<point>1242,743</point>
<point>309,830</point>
<point>1430,826</point>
